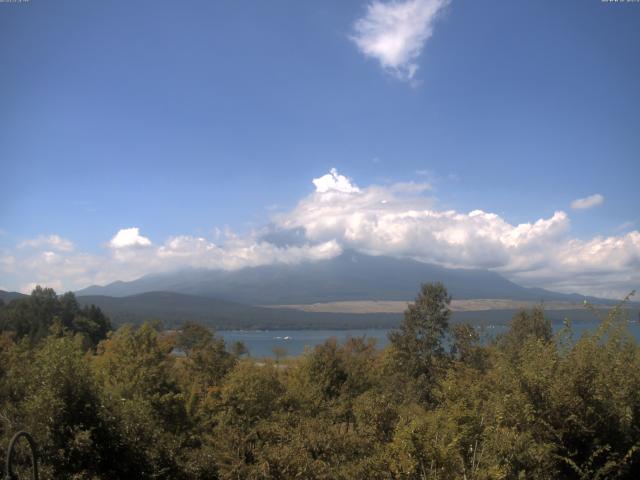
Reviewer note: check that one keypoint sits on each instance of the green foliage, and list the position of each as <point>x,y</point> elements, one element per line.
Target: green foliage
<point>193,336</point>
<point>149,404</point>
<point>239,349</point>
<point>52,393</point>
<point>466,346</point>
<point>133,369</point>
<point>35,316</point>
<point>207,360</point>
<point>250,393</point>
<point>523,326</point>
<point>417,350</point>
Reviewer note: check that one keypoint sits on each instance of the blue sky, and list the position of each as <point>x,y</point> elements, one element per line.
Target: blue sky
<point>180,118</point>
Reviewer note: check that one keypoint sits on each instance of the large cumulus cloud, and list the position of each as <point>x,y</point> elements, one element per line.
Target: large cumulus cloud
<point>401,220</point>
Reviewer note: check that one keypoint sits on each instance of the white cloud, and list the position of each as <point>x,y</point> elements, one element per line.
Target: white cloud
<point>334,182</point>
<point>603,266</point>
<point>7,262</point>
<point>131,255</point>
<point>395,32</point>
<point>400,220</point>
<point>238,253</point>
<point>625,226</point>
<point>410,187</point>
<point>587,202</point>
<point>397,220</point>
<point>29,287</point>
<point>54,242</point>
<point>129,237</point>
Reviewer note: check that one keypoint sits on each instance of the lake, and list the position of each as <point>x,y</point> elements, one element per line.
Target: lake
<point>262,342</point>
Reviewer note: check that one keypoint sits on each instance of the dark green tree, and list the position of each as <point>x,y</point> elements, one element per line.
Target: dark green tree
<point>192,335</point>
<point>417,343</point>
<point>466,346</point>
<point>35,316</point>
<point>207,359</point>
<point>526,325</point>
<point>238,348</point>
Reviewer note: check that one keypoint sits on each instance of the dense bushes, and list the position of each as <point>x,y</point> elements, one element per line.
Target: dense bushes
<point>529,405</point>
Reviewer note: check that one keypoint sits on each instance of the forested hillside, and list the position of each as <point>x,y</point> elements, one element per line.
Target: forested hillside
<point>172,309</point>
<point>121,404</point>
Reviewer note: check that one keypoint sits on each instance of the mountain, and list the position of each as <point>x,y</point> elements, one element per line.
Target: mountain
<point>173,309</point>
<point>349,276</point>
<point>6,297</point>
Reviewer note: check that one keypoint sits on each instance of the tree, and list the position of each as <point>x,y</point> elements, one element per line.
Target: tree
<point>207,359</point>
<point>466,346</point>
<point>192,335</point>
<point>54,396</point>
<point>134,369</point>
<point>327,370</point>
<point>250,395</point>
<point>238,348</point>
<point>34,317</point>
<point>135,365</point>
<point>523,326</point>
<point>417,344</point>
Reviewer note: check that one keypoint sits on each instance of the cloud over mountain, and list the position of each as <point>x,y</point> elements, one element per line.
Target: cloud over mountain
<point>394,220</point>
<point>400,220</point>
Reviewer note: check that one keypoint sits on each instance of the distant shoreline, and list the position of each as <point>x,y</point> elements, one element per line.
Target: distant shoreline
<point>393,306</point>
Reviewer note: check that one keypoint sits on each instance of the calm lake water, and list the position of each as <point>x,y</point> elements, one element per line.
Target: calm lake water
<point>262,342</point>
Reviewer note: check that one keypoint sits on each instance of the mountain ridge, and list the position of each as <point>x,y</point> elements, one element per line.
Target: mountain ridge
<point>349,276</point>
<point>6,296</point>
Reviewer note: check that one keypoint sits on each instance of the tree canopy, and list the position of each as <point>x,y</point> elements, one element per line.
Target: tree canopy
<point>35,316</point>
<point>437,403</point>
